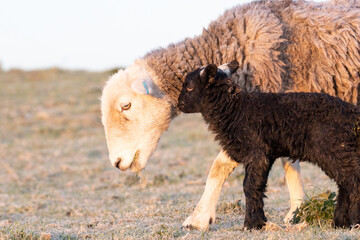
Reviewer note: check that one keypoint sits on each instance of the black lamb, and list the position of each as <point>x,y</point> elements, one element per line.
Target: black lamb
<point>256,128</point>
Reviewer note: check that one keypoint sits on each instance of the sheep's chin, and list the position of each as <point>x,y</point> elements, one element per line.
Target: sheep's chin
<point>135,166</point>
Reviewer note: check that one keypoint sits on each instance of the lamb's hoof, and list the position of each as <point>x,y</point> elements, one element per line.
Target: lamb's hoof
<point>199,221</point>
<point>341,223</point>
<point>254,225</point>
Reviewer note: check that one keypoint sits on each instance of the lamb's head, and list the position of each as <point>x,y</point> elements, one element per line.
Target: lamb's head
<point>198,81</point>
<point>134,114</point>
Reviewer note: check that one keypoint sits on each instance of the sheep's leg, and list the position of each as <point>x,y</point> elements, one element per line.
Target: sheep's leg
<point>294,184</point>
<point>204,213</point>
<point>256,174</point>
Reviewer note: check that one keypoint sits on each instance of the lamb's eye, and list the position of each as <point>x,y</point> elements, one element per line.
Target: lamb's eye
<point>125,106</point>
<point>190,89</point>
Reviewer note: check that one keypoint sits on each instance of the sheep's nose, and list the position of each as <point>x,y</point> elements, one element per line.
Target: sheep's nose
<point>117,163</point>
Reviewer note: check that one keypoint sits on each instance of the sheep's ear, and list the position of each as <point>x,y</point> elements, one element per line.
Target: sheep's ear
<point>233,66</point>
<point>143,86</point>
<point>229,68</point>
<point>208,73</point>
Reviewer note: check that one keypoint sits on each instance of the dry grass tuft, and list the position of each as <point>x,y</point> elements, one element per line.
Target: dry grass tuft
<point>271,227</point>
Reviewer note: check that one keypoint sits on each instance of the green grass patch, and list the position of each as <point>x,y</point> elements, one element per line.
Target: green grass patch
<point>317,211</point>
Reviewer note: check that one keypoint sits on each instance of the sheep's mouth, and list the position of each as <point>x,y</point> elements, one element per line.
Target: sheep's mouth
<point>136,156</point>
<point>134,166</point>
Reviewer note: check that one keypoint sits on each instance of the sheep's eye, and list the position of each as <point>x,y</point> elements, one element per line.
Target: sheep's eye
<point>125,106</point>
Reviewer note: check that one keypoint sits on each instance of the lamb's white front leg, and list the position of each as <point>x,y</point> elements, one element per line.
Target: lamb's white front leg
<point>204,213</point>
<point>294,184</point>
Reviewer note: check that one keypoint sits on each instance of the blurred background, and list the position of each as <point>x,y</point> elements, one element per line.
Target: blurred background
<point>96,35</point>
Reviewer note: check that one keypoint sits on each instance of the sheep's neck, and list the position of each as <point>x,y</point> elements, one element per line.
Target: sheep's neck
<point>168,67</point>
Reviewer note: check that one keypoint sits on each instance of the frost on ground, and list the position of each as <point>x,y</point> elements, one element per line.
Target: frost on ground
<point>57,181</point>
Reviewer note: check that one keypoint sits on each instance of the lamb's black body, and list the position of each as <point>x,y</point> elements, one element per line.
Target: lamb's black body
<point>256,128</point>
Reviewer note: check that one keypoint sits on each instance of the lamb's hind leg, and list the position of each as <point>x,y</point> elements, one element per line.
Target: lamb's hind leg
<point>345,171</point>
<point>354,202</point>
<point>294,184</point>
<point>341,214</point>
<point>204,213</point>
<point>256,174</point>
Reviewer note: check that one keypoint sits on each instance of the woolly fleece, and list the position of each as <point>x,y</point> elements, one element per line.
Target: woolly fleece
<point>280,45</point>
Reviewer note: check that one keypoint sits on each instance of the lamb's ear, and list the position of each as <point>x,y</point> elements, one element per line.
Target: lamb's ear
<point>143,86</point>
<point>234,89</point>
<point>208,73</point>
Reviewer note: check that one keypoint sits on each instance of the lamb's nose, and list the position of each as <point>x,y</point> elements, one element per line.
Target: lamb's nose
<point>117,163</point>
<point>181,105</point>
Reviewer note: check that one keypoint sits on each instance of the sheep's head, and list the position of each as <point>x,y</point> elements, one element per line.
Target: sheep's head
<point>197,81</point>
<point>134,114</point>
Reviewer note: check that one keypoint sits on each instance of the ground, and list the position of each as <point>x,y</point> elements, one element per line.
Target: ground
<point>57,181</point>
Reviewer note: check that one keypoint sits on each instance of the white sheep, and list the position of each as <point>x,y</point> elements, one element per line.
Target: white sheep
<point>280,45</point>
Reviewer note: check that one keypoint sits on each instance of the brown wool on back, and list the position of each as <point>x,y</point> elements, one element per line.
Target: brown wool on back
<point>280,45</point>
